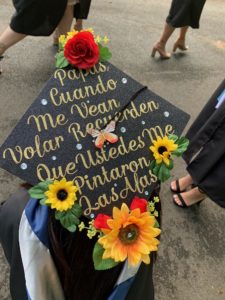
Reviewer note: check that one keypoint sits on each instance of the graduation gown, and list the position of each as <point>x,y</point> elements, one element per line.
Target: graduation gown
<point>41,17</point>
<point>185,13</point>
<point>10,218</point>
<point>81,9</point>
<point>205,156</point>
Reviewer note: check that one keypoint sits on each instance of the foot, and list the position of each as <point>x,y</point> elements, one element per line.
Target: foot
<point>180,44</point>
<point>183,183</point>
<point>160,48</point>
<point>79,25</point>
<point>55,36</point>
<point>55,41</point>
<point>190,197</point>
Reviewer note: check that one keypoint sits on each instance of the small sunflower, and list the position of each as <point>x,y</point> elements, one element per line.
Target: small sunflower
<point>162,149</point>
<point>71,34</point>
<point>61,195</point>
<point>131,235</point>
<point>62,40</point>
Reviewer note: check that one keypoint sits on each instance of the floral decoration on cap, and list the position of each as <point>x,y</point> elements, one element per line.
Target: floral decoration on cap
<point>81,49</point>
<point>130,233</point>
<point>164,149</point>
<point>60,196</point>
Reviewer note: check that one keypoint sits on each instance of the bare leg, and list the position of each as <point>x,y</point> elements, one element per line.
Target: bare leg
<point>180,43</point>
<point>78,25</point>
<point>183,32</point>
<point>65,23</point>
<point>160,46</point>
<point>8,38</point>
<point>183,183</point>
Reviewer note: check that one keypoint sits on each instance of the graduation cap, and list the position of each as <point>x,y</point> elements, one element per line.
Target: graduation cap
<point>86,144</point>
<point>95,128</point>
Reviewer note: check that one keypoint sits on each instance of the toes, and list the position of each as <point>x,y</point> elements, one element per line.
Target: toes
<point>173,185</point>
<point>177,200</point>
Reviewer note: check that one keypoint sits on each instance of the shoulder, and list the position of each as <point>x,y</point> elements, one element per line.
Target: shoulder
<point>142,287</point>
<point>10,215</point>
<point>11,211</point>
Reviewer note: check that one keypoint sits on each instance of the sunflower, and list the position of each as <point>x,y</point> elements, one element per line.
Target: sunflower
<point>131,235</point>
<point>61,195</point>
<point>162,149</point>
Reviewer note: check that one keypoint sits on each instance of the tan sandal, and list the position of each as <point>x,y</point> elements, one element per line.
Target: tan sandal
<point>163,54</point>
<point>180,44</point>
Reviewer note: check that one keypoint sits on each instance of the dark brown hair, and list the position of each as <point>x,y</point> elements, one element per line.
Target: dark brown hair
<point>72,254</point>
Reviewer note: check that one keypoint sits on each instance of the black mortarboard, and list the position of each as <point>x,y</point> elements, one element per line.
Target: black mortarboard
<point>51,140</point>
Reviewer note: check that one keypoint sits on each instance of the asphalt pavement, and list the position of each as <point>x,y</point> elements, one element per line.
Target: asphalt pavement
<point>191,258</point>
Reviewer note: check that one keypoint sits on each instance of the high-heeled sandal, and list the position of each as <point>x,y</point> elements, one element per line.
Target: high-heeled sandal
<point>183,203</point>
<point>179,45</point>
<point>178,190</point>
<point>163,54</point>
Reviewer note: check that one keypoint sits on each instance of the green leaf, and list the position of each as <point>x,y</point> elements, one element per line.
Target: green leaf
<point>59,214</point>
<point>178,152</point>
<point>100,263</point>
<point>68,219</point>
<point>76,210</point>
<point>105,54</point>
<point>164,173</point>
<point>38,190</point>
<point>61,61</point>
<point>152,164</point>
<point>72,228</point>
<point>173,137</point>
<point>182,146</point>
<point>44,184</point>
<point>156,169</point>
<point>182,141</point>
<point>156,225</point>
<point>171,165</point>
<point>42,201</point>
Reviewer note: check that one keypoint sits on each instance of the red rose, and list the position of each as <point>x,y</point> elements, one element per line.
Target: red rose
<point>139,203</point>
<point>100,221</point>
<point>81,51</point>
